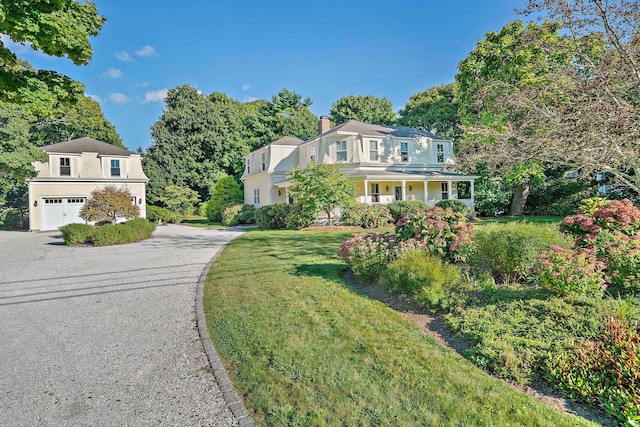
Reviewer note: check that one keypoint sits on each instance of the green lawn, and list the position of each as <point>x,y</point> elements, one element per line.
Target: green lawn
<point>200,221</point>
<point>538,219</point>
<point>305,349</point>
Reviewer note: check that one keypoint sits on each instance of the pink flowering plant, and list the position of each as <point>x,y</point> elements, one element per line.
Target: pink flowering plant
<point>621,255</point>
<point>368,254</point>
<point>445,232</point>
<point>570,272</point>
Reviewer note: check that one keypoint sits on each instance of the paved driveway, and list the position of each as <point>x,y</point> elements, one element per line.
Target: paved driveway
<point>106,336</point>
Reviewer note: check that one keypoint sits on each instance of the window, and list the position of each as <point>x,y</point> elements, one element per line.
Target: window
<point>65,166</point>
<point>264,161</point>
<point>312,154</point>
<point>464,190</point>
<point>341,151</point>
<point>444,190</point>
<point>375,192</point>
<point>440,149</point>
<point>115,167</point>
<point>373,151</point>
<point>256,196</point>
<point>404,151</point>
<point>76,201</point>
<point>133,200</point>
<point>248,166</point>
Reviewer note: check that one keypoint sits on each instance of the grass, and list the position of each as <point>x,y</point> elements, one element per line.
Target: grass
<point>538,219</point>
<point>200,221</point>
<point>306,349</point>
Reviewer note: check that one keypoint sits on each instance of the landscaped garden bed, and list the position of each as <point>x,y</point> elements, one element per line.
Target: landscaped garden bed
<point>304,347</point>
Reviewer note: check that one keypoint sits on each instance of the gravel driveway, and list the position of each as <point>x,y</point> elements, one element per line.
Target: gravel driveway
<point>106,336</point>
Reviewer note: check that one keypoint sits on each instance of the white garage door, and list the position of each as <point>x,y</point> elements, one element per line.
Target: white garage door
<point>60,211</point>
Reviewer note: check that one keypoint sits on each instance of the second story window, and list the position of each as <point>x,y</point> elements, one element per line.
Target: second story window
<point>248,166</point>
<point>312,154</point>
<point>341,151</point>
<point>440,151</point>
<point>264,161</point>
<point>373,151</point>
<point>65,166</point>
<point>115,167</point>
<point>404,151</point>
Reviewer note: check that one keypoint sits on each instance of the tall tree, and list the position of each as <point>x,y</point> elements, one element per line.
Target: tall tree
<point>500,80</point>
<point>61,28</point>
<point>84,119</point>
<point>364,108</point>
<point>287,114</point>
<point>434,110</point>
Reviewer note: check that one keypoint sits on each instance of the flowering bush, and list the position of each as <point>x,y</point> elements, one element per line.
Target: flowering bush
<point>604,370</point>
<point>621,255</point>
<point>368,254</point>
<point>570,272</point>
<point>596,215</point>
<point>366,216</point>
<point>445,232</point>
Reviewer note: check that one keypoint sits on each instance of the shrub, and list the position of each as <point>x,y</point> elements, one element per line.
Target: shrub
<point>569,272</point>
<point>77,234</point>
<point>445,232</point>
<point>298,217</point>
<point>366,216</point>
<point>596,215</point>
<point>456,206</point>
<point>621,256</point>
<point>227,192</point>
<point>424,277</point>
<point>604,370</point>
<point>128,232</point>
<point>158,215</point>
<point>509,251</point>
<point>492,196</point>
<point>238,214</point>
<point>109,205</point>
<point>402,208</point>
<point>368,254</point>
<point>10,219</point>
<point>272,217</point>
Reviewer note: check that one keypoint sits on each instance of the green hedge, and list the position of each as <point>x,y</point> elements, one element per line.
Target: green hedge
<point>77,234</point>
<point>131,231</point>
<point>402,208</point>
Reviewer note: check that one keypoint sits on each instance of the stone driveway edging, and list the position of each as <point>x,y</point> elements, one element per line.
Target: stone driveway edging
<point>220,374</point>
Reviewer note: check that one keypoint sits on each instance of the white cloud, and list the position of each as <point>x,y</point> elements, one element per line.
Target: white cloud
<point>156,95</point>
<point>246,86</point>
<point>146,51</point>
<point>250,99</point>
<point>123,56</point>
<point>94,97</point>
<point>118,98</point>
<point>113,73</point>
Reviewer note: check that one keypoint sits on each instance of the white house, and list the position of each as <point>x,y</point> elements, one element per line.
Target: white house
<point>75,168</point>
<point>387,163</point>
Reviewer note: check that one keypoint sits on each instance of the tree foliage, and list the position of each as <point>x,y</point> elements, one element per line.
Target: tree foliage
<point>287,114</point>
<point>227,192</point>
<point>61,28</point>
<point>108,205</point>
<point>321,188</point>
<point>435,110</point>
<point>181,200</point>
<point>364,108</point>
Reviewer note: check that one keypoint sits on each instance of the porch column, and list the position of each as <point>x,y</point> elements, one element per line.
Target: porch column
<point>426,191</point>
<point>366,191</point>
<point>449,192</point>
<point>404,190</point>
<point>473,197</point>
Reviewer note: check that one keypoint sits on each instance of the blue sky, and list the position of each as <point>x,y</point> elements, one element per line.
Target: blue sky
<point>251,49</point>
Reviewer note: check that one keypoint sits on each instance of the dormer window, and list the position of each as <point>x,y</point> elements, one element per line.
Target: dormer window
<point>440,151</point>
<point>373,150</point>
<point>65,166</point>
<point>312,154</point>
<point>341,151</point>
<point>404,151</point>
<point>115,167</point>
<point>248,166</point>
<point>264,161</point>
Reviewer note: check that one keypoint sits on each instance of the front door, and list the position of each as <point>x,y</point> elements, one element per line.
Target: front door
<point>398,193</point>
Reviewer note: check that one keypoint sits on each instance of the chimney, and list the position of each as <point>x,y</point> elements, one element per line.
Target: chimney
<point>323,124</point>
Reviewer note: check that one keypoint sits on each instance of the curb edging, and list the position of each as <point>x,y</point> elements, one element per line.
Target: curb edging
<point>231,397</point>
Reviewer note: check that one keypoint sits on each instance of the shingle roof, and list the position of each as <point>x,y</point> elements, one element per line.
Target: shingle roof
<point>288,140</point>
<point>380,130</point>
<point>362,173</point>
<point>86,145</point>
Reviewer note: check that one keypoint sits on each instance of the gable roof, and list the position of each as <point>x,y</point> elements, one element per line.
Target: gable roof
<point>86,145</point>
<point>379,130</point>
<point>288,140</point>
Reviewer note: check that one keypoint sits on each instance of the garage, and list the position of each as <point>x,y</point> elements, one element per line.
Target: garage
<point>60,211</point>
